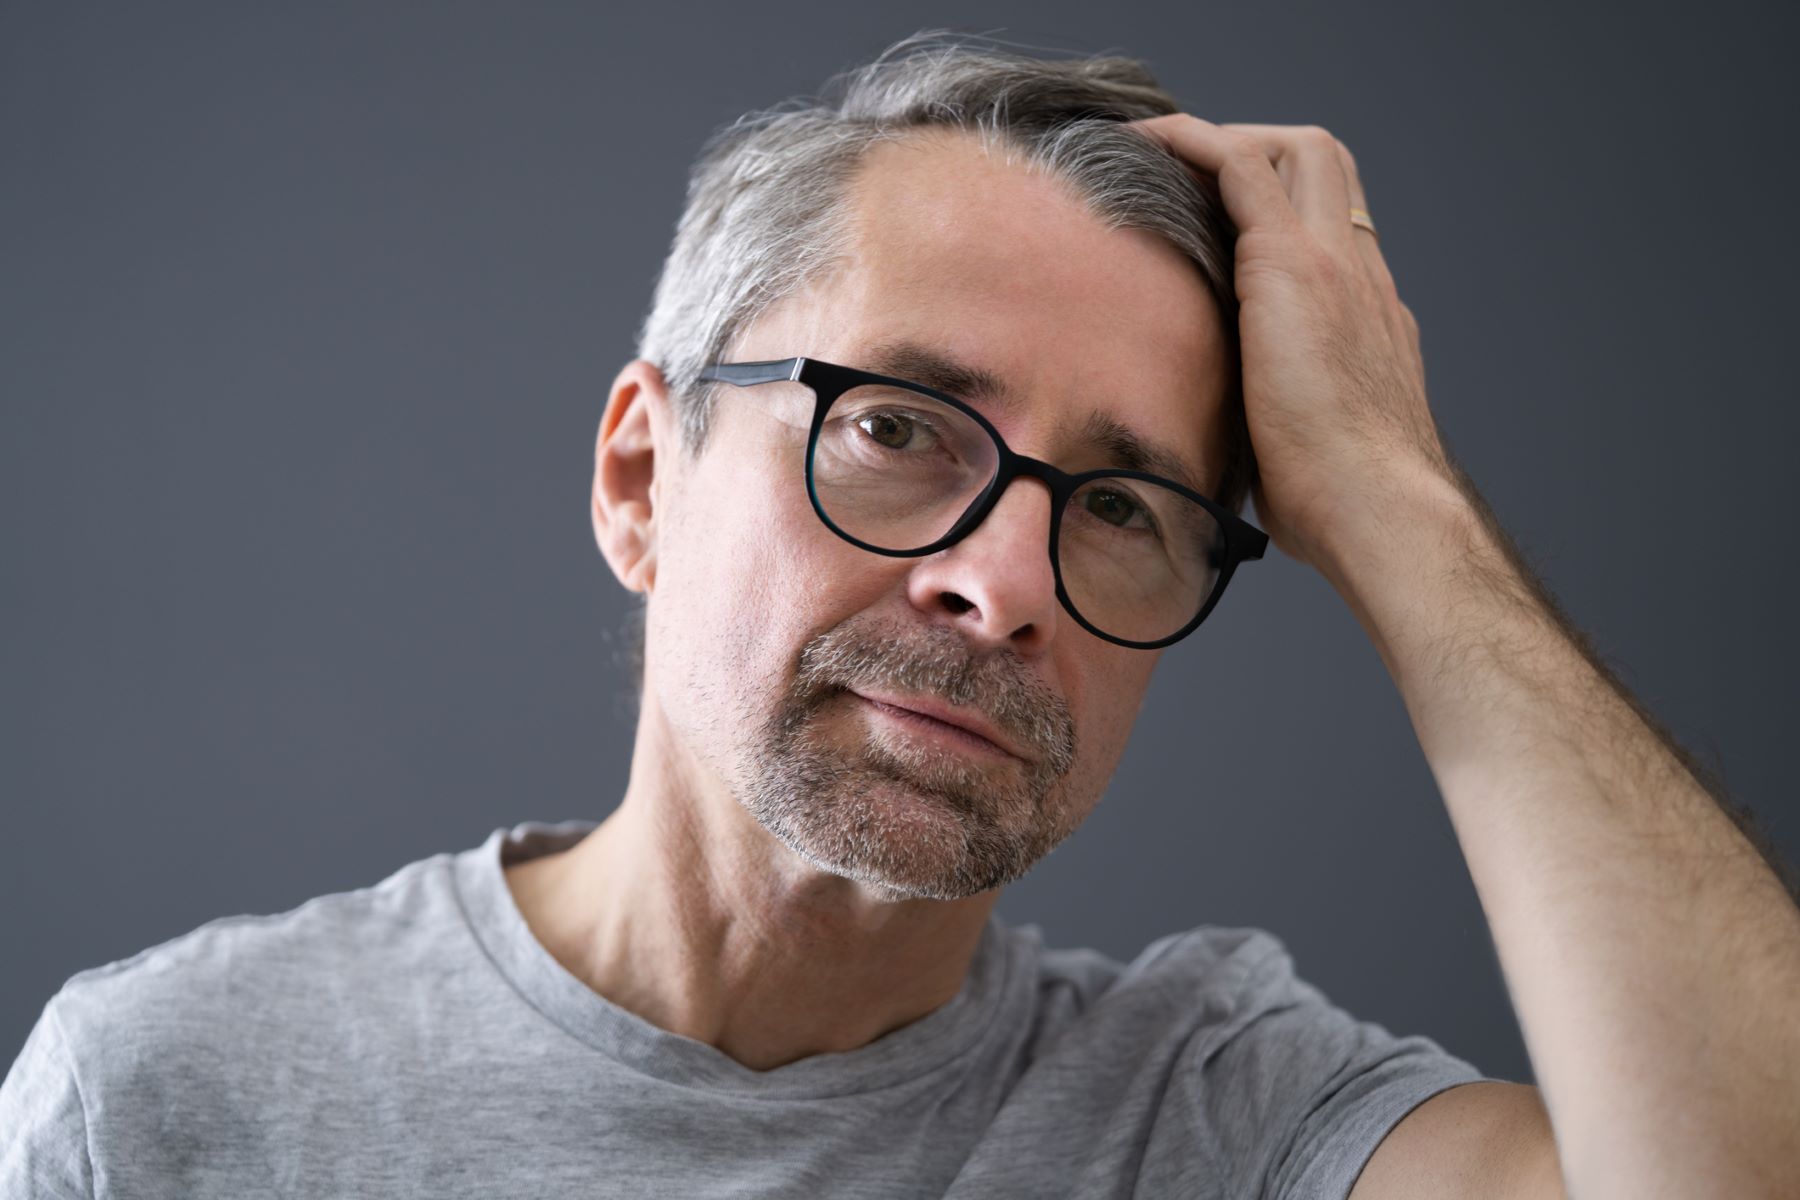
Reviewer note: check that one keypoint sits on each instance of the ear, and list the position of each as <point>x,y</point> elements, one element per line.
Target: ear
<point>634,441</point>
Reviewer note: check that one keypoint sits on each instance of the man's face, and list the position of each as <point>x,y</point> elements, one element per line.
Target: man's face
<point>772,640</point>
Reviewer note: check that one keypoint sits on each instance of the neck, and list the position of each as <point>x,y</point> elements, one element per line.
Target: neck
<point>682,909</point>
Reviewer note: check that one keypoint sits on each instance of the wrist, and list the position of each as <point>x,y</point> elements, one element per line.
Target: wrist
<point>1419,522</point>
<point>1399,561</point>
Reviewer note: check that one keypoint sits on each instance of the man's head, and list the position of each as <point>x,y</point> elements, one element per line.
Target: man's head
<point>988,207</point>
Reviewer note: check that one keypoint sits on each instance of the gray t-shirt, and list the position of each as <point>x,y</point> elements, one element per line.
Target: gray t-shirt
<point>414,1039</point>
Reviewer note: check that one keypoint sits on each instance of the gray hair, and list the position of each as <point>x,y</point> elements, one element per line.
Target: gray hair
<point>766,201</point>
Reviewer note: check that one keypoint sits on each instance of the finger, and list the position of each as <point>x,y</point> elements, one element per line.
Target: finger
<point>1307,161</point>
<point>1367,244</point>
<point>1254,198</point>
<point>1405,328</point>
<point>1297,151</point>
<point>1352,180</point>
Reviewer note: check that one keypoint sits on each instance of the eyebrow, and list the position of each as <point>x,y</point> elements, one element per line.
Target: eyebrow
<point>1124,447</point>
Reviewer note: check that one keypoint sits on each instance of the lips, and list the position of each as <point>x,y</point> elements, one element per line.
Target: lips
<point>967,720</point>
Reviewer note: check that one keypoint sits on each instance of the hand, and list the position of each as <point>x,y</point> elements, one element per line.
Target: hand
<point>1334,386</point>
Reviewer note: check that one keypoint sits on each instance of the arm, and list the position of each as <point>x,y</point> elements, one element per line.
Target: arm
<point>1651,954</point>
<point>1490,1140</point>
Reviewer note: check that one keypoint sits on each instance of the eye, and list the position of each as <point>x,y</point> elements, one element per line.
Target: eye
<point>1115,508</point>
<point>896,430</point>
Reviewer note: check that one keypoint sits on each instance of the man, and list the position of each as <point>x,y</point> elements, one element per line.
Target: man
<point>873,694</point>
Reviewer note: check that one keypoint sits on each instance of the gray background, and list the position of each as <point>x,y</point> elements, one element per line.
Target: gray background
<point>308,317</point>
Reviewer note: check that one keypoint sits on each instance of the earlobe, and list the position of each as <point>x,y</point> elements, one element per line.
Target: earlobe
<point>625,462</point>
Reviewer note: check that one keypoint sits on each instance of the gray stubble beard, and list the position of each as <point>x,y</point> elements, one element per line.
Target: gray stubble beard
<point>818,800</point>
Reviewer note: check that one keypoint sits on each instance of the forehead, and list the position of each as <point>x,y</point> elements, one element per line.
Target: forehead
<point>1002,268</point>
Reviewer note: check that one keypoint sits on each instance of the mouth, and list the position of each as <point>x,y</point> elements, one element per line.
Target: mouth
<point>943,726</point>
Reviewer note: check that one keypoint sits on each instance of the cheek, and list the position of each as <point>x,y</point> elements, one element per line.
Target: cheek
<point>747,573</point>
<point>1106,707</point>
<point>786,572</point>
<point>721,555</point>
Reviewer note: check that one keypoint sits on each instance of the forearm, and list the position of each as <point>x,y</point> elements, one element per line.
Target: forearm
<point>1651,954</point>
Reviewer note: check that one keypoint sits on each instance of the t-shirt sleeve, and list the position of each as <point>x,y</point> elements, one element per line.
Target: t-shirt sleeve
<point>1304,1093</point>
<point>43,1126</point>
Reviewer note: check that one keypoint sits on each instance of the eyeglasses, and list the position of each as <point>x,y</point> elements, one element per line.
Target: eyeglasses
<point>901,469</point>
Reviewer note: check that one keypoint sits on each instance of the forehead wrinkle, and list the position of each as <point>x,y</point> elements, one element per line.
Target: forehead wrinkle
<point>1123,446</point>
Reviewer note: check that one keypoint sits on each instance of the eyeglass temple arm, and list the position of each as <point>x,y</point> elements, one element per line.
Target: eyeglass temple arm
<point>746,373</point>
<point>1255,540</point>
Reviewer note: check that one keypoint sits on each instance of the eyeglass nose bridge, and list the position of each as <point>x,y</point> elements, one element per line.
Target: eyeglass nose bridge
<point>1059,483</point>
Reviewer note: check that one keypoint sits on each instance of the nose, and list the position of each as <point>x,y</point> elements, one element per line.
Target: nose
<point>996,583</point>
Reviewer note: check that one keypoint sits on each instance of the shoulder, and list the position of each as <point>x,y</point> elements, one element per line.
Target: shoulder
<point>1225,969</point>
<point>249,985</point>
<point>1201,984</point>
<point>1257,1072</point>
<point>1226,962</point>
<point>45,1150</point>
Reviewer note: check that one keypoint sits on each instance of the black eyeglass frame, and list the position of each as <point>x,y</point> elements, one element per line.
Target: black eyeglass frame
<point>828,381</point>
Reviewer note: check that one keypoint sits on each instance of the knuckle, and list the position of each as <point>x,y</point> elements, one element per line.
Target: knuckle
<point>1244,145</point>
<point>1317,135</point>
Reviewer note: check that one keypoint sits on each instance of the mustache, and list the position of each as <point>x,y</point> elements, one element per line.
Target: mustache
<point>934,660</point>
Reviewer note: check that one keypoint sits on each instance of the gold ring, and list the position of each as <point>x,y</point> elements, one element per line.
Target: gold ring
<point>1360,217</point>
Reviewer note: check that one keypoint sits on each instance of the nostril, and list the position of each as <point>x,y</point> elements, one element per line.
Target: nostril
<point>956,603</point>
